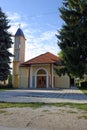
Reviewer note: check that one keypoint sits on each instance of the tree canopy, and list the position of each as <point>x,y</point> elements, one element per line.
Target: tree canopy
<point>5,44</point>
<point>72,38</point>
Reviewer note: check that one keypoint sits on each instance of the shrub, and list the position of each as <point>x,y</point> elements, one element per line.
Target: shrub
<point>8,86</point>
<point>77,84</point>
<point>84,84</point>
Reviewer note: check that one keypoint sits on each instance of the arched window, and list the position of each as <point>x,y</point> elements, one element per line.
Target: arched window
<point>41,72</point>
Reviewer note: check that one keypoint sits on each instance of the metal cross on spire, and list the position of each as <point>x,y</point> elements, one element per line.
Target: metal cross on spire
<point>19,25</point>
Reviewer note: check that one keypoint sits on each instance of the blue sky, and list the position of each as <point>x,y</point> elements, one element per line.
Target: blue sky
<point>39,19</point>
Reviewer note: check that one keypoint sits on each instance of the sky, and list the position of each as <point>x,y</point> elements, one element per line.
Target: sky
<point>39,20</point>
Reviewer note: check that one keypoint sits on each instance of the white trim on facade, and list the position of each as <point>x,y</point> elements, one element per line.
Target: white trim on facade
<point>30,76</point>
<point>52,77</point>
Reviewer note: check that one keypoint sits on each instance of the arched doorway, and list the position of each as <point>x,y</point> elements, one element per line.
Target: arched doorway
<point>41,78</point>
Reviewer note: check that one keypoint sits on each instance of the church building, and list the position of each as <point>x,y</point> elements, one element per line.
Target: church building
<point>38,72</point>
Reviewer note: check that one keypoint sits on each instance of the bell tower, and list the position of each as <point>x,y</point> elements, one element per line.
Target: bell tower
<point>19,55</point>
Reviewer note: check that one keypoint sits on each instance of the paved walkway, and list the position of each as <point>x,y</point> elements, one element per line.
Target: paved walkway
<point>48,96</point>
<point>12,128</point>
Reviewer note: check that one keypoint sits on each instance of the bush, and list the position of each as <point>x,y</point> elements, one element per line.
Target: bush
<point>84,84</point>
<point>8,86</point>
<point>77,84</point>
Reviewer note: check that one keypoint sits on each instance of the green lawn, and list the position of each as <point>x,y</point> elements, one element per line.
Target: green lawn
<point>37,105</point>
<point>84,90</point>
<point>4,89</point>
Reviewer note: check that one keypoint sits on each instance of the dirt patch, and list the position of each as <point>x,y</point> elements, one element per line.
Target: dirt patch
<point>47,118</point>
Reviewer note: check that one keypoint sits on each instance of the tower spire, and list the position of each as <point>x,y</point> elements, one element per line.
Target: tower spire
<point>19,52</point>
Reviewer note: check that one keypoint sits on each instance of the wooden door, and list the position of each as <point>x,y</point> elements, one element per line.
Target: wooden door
<point>41,81</point>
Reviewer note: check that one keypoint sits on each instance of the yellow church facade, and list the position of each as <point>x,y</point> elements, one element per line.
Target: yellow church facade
<point>36,73</point>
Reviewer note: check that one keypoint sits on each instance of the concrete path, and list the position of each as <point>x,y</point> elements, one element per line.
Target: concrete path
<point>12,128</point>
<point>48,96</point>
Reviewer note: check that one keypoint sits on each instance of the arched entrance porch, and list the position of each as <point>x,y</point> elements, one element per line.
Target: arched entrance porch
<point>41,78</point>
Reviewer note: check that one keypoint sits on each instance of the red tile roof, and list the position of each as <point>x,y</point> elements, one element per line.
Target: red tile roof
<point>44,59</point>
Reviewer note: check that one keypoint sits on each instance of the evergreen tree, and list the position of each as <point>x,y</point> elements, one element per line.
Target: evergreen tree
<point>72,38</point>
<point>5,44</point>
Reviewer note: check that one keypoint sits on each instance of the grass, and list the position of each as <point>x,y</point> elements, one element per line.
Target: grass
<point>10,105</point>
<point>84,90</point>
<point>6,87</point>
<point>84,116</point>
<point>45,110</point>
<point>71,111</point>
<point>37,105</point>
<point>2,111</point>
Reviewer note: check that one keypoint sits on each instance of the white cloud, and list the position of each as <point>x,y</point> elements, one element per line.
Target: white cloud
<point>35,44</point>
<point>13,16</point>
<point>15,21</point>
<point>46,42</point>
<point>48,35</point>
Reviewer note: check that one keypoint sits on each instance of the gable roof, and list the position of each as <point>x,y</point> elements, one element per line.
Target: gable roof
<point>45,58</point>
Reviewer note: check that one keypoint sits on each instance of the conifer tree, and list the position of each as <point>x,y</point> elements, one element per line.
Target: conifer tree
<point>5,44</point>
<point>72,38</point>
